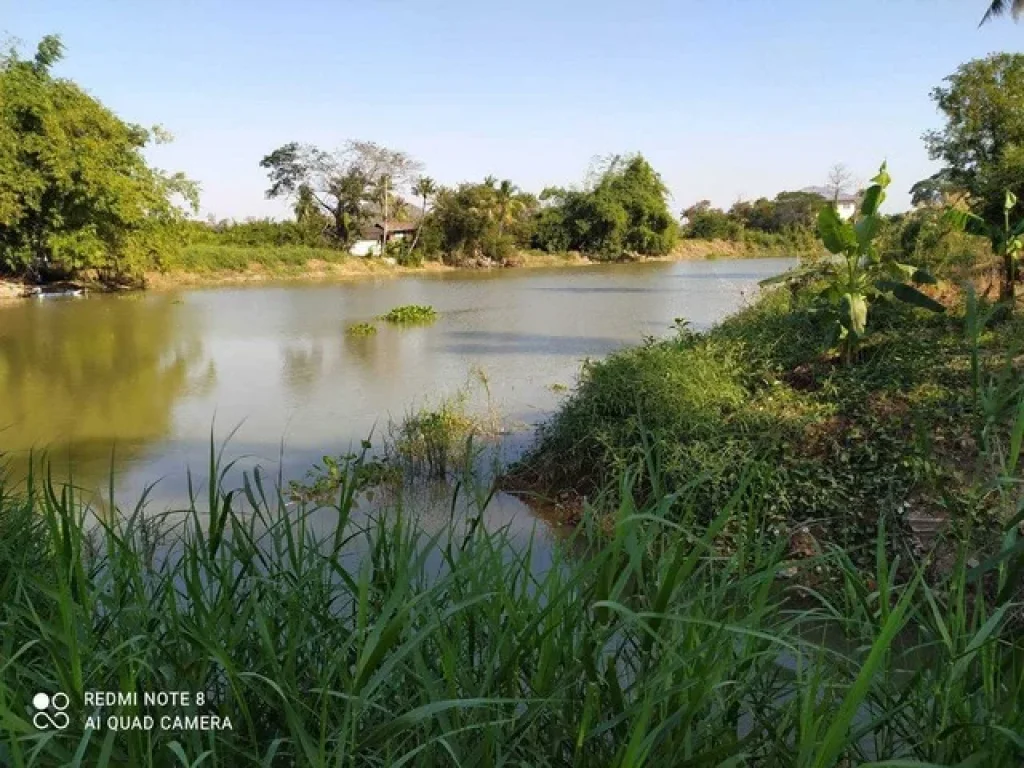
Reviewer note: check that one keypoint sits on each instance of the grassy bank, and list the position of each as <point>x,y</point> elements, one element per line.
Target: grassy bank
<point>218,263</point>
<point>914,428</point>
<point>763,248</point>
<point>663,646</point>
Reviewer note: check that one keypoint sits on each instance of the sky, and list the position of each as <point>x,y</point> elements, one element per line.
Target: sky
<point>728,100</point>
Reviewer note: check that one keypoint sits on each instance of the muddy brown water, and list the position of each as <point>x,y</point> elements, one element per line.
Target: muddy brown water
<point>134,383</point>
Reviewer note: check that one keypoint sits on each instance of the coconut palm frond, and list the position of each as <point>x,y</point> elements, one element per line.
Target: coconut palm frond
<point>999,7</point>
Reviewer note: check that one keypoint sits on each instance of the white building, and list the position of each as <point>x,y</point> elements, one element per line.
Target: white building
<point>846,204</point>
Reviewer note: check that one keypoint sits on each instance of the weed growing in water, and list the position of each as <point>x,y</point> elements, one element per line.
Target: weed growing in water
<point>411,314</point>
<point>361,329</point>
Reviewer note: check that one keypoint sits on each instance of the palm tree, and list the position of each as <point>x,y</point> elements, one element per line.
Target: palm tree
<point>999,7</point>
<point>507,204</point>
<point>424,188</point>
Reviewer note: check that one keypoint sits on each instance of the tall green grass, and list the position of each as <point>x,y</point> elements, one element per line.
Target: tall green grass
<point>368,642</point>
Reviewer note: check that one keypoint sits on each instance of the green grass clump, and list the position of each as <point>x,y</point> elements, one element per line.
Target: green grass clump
<point>411,314</point>
<point>371,641</point>
<point>824,444</point>
<point>361,329</point>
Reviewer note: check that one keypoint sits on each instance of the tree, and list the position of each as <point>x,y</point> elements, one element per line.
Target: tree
<point>471,223</point>
<point>507,205</point>
<point>982,144</point>
<point>424,188</point>
<point>76,192</point>
<point>839,180</point>
<point>797,210</point>
<point>703,222</point>
<point>999,7</point>
<point>351,185</point>
<point>624,210</point>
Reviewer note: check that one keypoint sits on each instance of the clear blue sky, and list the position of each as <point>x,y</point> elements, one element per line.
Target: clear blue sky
<point>727,99</point>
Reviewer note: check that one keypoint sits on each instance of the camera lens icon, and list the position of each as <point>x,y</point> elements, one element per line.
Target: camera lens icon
<point>44,704</point>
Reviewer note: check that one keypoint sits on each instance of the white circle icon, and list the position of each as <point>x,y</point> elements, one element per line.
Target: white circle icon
<point>43,702</point>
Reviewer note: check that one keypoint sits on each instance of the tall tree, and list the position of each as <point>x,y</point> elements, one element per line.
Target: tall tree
<point>76,191</point>
<point>839,181</point>
<point>347,184</point>
<point>982,143</point>
<point>507,204</point>
<point>424,188</point>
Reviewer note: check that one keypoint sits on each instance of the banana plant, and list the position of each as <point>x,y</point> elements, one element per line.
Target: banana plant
<point>858,275</point>
<point>1007,241</point>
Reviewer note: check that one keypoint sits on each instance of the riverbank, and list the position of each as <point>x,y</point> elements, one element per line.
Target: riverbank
<point>226,264</point>
<point>909,436</point>
<point>206,264</point>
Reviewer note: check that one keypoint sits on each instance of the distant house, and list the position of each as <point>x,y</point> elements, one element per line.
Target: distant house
<point>846,204</point>
<point>371,239</point>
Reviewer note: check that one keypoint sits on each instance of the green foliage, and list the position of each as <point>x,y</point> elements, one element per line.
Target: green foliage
<point>789,210</point>
<point>823,445</point>
<point>625,213</point>
<point>410,314</point>
<point>377,642</point>
<point>211,257</point>
<point>435,441</point>
<point>361,329</point>
<point>1007,241</point>
<point>706,223</point>
<point>473,222</point>
<point>260,232</point>
<point>982,144</point>
<point>862,273</point>
<point>784,225</point>
<point>926,237</point>
<point>76,192</point>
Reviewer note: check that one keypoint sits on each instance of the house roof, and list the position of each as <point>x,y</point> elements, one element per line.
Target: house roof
<point>399,226</point>
<point>373,231</point>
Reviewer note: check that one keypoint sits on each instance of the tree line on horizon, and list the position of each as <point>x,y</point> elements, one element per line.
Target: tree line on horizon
<point>77,195</point>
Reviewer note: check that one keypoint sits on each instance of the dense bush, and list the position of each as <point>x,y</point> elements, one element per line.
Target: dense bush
<point>625,213</point>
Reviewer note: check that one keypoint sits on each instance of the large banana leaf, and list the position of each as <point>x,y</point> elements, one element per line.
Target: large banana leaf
<point>909,295</point>
<point>837,234</point>
<point>866,228</point>
<point>854,313</point>
<point>966,221</point>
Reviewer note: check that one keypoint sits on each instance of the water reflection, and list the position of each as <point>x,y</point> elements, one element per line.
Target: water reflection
<point>78,377</point>
<point>505,343</point>
<point>301,365</point>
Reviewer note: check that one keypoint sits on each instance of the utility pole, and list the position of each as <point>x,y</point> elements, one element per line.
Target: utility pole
<point>384,245</point>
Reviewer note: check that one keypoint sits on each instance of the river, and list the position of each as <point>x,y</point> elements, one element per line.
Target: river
<point>135,382</point>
